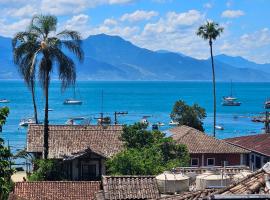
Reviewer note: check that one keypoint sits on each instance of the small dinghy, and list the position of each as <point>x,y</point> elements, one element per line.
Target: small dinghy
<point>219,127</point>
<point>72,102</point>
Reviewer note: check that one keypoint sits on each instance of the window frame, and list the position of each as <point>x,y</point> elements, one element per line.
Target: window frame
<point>214,161</point>
<point>198,161</point>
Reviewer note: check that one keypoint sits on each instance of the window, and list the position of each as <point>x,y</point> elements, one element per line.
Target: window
<point>210,161</point>
<point>194,162</point>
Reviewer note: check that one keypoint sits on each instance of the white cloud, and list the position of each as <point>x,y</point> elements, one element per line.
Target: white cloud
<point>12,28</point>
<point>254,46</point>
<point>110,22</point>
<point>208,5</point>
<point>138,15</point>
<point>232,13</point>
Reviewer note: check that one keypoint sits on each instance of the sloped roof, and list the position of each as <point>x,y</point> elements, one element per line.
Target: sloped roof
<point>189,195</point>
<point>51,190</point>
<point>66,140</point>
<point>129,187</point>
<point>199,142</point>
<point>257,143</point>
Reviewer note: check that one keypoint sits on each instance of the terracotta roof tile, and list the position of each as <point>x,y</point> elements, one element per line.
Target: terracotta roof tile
<point>199,142</point>
<point>56,190</point>
<point>258,143</point>
<point>129,187</point>
<point>65,140</point>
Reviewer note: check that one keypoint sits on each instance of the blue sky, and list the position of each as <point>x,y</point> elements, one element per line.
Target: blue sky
<point>156,24</point>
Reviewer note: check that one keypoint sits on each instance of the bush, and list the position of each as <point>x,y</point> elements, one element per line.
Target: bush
<point>147,153</point>
<point>47,170</point>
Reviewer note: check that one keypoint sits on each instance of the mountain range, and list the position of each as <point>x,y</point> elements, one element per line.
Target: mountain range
<point>113,58</point>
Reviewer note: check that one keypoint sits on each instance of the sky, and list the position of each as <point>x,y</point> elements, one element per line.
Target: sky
<point>156,24</point>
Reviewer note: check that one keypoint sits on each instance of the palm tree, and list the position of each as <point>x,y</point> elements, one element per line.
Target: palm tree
<point>210,31</point>
<point>23,57</point>
<point>46,53</point>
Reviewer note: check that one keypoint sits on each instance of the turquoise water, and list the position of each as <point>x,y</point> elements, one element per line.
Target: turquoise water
<point>138,98</point>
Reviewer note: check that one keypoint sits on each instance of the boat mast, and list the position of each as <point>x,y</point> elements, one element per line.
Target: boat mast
<point>231,87</point>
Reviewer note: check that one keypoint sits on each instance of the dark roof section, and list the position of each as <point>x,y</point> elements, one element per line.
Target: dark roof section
<point>199,142</point>
<point>60,190</point>
<point>257,143</point>
<point>189,195</point>
<point>68,140</point>
<point>129,187</point>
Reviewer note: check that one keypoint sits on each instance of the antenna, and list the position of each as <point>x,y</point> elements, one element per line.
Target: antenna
<point>116,114</point>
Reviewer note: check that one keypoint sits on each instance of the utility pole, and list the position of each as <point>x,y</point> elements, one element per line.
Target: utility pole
<point>266,123</point>
<point>116,114</point>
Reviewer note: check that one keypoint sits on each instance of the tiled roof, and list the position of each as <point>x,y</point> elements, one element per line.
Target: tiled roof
<point>67,140</point>
<point>258,143</point>
<point>189,195</point>
<point>199,142</point>
<point>56,190</point>
<point>129,187</point>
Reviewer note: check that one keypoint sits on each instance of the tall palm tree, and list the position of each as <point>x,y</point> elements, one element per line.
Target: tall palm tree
<point>23,57</point>
<point>210,31</point>
<point>46,53</point>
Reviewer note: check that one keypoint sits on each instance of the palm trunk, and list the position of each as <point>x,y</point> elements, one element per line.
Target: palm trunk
<point>46,118</point>
<point>34,100</point>
<point>214,86</point>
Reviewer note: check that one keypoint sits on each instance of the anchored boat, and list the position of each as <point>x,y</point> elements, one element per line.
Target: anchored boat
<point>230,100</point>
<point>72,102</point>
<point>27,121</point>
<point>4,101</point>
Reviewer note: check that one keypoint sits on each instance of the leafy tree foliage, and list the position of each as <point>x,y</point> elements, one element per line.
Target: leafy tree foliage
<point>5,170</point>
<point>47,170</point>
<point>188,115</point>
<point>147,153</point>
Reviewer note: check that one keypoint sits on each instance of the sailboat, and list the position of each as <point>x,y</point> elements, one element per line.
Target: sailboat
<point>73,101</point>
<point>230,100</point>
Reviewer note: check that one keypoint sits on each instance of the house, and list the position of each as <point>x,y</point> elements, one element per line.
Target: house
<point>128,187</point>
<point>82,150</point>
<point>206,150</point>
<point>259,145</point>
<point>51,190</point>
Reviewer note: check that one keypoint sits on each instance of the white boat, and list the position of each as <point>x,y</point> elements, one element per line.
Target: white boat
<point>144,121</point>
<point>75,120</point>
<point>267,104</point>
<point>50,109</point>
<point>173,123</point>
<point>160,124</point>
<point>72,102</point>
<point>230,100</point>
<point>4,101</point>
<point>27,121</point>
<point>219,127</point>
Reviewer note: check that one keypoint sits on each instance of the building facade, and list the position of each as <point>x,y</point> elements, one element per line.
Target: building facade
<point>207,151</point>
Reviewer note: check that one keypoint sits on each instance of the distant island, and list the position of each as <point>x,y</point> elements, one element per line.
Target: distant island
<point>113,58</point>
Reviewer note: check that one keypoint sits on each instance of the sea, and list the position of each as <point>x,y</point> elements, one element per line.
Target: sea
<point>139,98</point>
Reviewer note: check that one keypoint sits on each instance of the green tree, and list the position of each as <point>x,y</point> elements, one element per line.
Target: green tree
<point>150,157</point>
<point>25,58</point>
<point>5,155</point>
<point>188,115</point>
<point>210,31</point>
<point>45,52</point>
<point>47,170</point>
